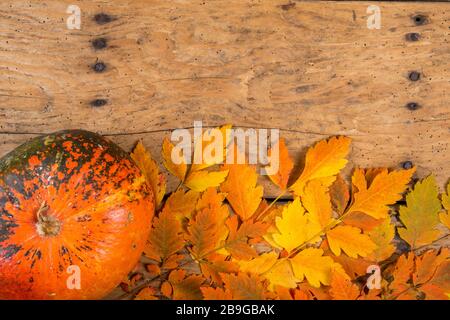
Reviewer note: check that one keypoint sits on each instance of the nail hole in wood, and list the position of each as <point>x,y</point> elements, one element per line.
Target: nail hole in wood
<point>419,19</point>
<point>102,18</point>
<point>414,76</point>
<point>413,36</point>
<point>99,43</point>
<point>287,6</point>
<point>99,67</point>
<point>413,106</point>
<point>407,165</point>
<point>98,103</point>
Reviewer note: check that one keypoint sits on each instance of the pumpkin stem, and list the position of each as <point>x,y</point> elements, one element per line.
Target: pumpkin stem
<point>42,209</point>
<point>47,226</point>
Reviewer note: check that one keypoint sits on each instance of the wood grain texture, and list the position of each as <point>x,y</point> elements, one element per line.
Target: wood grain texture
<point>311,69</point>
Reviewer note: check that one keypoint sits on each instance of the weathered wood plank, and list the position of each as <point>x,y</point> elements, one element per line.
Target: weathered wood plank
<point>312,69</point>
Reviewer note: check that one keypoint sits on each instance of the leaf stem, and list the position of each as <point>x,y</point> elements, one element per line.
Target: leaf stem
<point>430,244</point>
<point>147,282</point>
<point>179,185</point>
<point>264,212</point>
<point>332,224</point>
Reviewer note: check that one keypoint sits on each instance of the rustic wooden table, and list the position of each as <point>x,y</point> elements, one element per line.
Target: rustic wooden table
<point>138,69</point>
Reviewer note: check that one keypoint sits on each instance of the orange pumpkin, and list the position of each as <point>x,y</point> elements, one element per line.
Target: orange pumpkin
<point>75,214</point>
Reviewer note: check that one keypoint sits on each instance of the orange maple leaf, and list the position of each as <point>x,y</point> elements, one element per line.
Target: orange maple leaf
<point>285,165</point>
<point>385,189</point>
<point>150,169</point>
<point>425,276</point>
<point>317,202</point>
<point>382,236</point>
<point>165,237</point>
<point>185,287</point>
<point>177,168</point>
<point>401,275</point>
<point>243,193</point>
<point>147,293</point>
<point>210,293</point>
<point>237,242</point>
<point>350,240</point>
<point>181,203</point>
<point>340,195</point>
<point>432,275</point>
<point>215,264</point>
<point>248,249</point>
<point>207,229</point>
<point>342,288</point>
<point>244,286</point>
<point>323,161</point>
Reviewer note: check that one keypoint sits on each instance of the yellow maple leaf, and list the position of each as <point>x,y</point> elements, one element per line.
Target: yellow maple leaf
<point>382,235</point>
<point>267,265</point>
<point>281,274</point>
<point>150,169</point>
<point>350,240</point>
<point>204,157</point>
<point>179,167</point>
<point>243,194</point>
<point>385,189</point>
<point>201,180</point>
<point>420,216</point>
<point>445,217</point>
<point>260,264</point>
<point>314,266</point>
<point>294,228</point>
<point>323,161</point>
<point>317,202</point>
<point>446,199</point>
<point>285,165</point>
<point>205,149</point>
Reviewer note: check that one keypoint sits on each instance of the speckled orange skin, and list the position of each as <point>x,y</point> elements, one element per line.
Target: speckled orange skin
<point>101,200</point>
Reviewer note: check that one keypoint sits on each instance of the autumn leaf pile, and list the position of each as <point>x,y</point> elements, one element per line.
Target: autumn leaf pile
<point>216,237</point>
